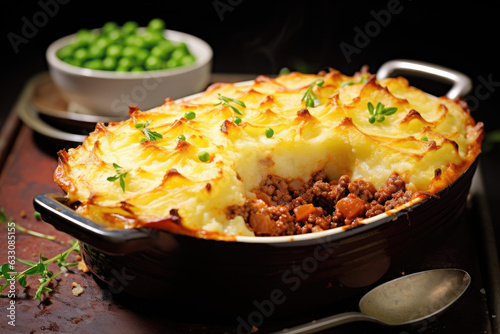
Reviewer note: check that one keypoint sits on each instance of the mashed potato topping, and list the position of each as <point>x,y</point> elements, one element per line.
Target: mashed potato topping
<point>122,177</point>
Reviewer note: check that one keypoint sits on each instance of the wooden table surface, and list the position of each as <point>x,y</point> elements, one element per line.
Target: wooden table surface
<point>27,164</point>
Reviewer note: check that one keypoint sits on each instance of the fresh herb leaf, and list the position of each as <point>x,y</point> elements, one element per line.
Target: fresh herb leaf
<point>22,280</point>
<point>150,134</point>
<point>284,71</point>
<point>312,100</point>
<point>226,101</point>
<point>26,262</point>
<point>6,271</point>
<point>378,113</point>
<point>352,82</point>
<point>3,216</point>
<point>490,140</point>
<point>4,219</point>
<point>40,268</point>
<point>118,176</point>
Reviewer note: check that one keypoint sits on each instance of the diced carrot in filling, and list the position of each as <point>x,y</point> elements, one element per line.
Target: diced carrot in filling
<point>302,212</point>
<point>261,224</point>
<point>351,206</point>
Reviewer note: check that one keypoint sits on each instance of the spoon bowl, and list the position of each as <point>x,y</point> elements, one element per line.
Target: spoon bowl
<point>404,300</point>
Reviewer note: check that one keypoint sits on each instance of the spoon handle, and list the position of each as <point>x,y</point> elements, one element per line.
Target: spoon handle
<point>328,322</point>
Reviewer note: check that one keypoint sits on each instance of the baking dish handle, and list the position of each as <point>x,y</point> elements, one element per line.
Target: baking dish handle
<point>461,84</point>
<point>113,241</point>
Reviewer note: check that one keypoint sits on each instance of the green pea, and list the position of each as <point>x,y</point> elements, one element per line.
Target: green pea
<point>161,52</point>
<point>181,137</point>
<point>96,51</point>
<point>141,56</point>
<point>129,28</point>
<point>171,63</point>
<point>84,37</point>
<point>122,69</point>
<point>183,47</point>
<point>125,63</point>
<point>189,115</point>
<point>137,69</point>
<point>237,120</point>
<point>165,43</point>
<point>93,64</point>
<point>134,40</point>
<point>204,156</point>
<point>109,64</point>
<point>130,51</point>
<point>152,63</point>
<point>114,36</point>
<point>80,54</point>
<point>114,50</point>
<point>108,27</point>
<point>269,132</point>
<point>101,41</point>
<point>156,25</point>
<point>186,60</point>
<point>177,54</point>
<point>150,39</point>
<point>72,61</point>
<point>66,51</point>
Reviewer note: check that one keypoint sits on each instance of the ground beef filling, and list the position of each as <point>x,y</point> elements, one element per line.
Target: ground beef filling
<point>288,207</point>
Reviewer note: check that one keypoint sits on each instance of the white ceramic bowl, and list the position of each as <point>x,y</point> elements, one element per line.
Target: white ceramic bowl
<point>108,93</point>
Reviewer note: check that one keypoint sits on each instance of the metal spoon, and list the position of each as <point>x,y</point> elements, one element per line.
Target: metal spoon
<point>401,301</point>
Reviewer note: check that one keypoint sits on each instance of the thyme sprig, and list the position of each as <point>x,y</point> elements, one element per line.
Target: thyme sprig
<point>226,101</point>
<point>150,134</point>
<point>363,80</point>
<point>39,268</point>
<point>379,112</point>
<point>11,223</point>
<point>7,270</point>
<point>312,100</point>
<point>118,176</point>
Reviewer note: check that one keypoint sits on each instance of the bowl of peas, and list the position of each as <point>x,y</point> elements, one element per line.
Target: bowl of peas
<point>104,71</point>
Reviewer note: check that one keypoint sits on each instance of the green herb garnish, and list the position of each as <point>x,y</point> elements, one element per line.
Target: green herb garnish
<point>312,100</point>
<point>39,268</point>
<point>379,112</point>
<point>490,140</point>
<point>118,176</point>
<point>237,120</point>
<point>204,156</point>
<point>284,71</point>
<point>352,82</point>
<point>150,134</point>
<point>225,101</point>
<point>269,132</point>
<point>11,223</point>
